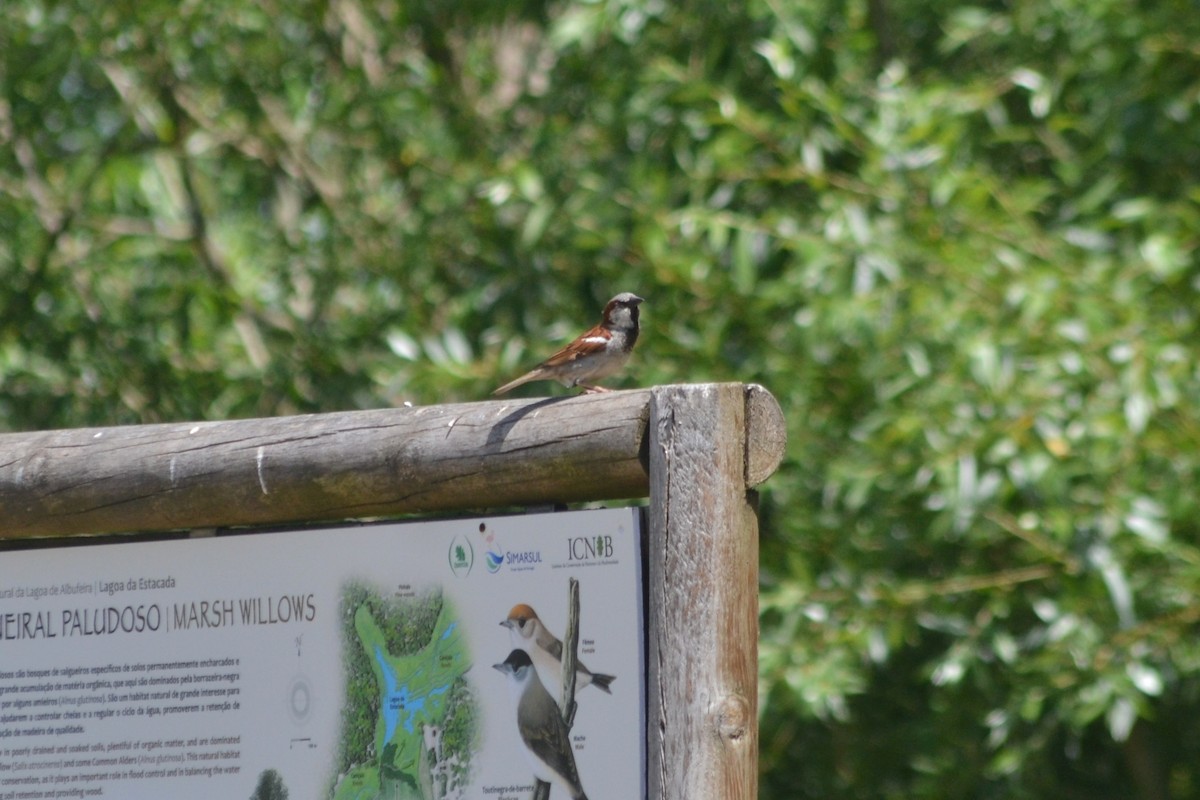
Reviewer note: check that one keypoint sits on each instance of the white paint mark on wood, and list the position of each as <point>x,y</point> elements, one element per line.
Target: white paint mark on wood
<point>262,478</point>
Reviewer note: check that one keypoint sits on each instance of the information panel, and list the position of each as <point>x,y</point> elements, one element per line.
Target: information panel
<point>415,660</point>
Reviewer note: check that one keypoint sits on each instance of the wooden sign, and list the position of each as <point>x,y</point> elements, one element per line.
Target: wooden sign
<point>697,452</point>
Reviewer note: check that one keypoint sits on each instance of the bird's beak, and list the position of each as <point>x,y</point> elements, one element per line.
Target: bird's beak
<point>507,623</point>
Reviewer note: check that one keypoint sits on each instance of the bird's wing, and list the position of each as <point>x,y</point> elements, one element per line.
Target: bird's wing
<point>591,343</point>
<point>555,649</point>
<point>551,743</point>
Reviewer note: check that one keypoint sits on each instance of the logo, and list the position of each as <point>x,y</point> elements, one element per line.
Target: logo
<point>586,548</point>
<point>461,556</point>
<point>523,559</point>
<point>495,557</point>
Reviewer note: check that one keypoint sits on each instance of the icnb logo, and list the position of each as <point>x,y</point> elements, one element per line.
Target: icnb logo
<point>461,556</point>
<point>584,548</point>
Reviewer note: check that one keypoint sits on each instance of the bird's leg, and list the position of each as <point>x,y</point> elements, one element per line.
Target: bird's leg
<point>591,389</point>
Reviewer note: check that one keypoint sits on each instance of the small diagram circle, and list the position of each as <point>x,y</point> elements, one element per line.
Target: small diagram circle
<point>299,699</point>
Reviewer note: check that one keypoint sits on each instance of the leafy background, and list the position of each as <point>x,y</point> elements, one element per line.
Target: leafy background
<point>958,242</point>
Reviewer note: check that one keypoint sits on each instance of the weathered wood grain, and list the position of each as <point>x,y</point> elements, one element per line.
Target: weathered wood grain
<point>323,467</point>
<point>702,655</point>
<point>766,434</point>
<point>347,465</point>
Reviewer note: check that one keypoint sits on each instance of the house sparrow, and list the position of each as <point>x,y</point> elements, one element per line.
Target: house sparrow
<point>594,355</point>
<point>544,738</point>
<point>528,633</point>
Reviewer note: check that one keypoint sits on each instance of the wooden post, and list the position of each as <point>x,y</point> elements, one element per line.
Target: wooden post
<point>702,658</point>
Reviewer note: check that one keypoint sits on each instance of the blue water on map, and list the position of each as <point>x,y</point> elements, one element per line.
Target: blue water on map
<point>398,700</point>
<point>393,700</point>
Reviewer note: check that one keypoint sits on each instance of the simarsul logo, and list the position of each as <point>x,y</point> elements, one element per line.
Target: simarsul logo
<point>493,556</point>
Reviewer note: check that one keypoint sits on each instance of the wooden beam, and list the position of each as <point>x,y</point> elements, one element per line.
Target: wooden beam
<point>702,634</point>
<point>323,466</point>
<point>329,467</point>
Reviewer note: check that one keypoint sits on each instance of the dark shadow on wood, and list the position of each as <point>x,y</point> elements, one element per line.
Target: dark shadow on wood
<point>501,428</point>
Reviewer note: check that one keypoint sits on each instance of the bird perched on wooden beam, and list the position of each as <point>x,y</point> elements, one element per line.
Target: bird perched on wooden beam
<point>594,355</point>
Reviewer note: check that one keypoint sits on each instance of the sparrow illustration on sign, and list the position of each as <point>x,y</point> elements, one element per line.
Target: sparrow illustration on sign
<point>528,633</point>
<point>543,734</point>
<point>594,355</point>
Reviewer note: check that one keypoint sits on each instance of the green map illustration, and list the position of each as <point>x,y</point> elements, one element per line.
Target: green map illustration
<point>409,723</point>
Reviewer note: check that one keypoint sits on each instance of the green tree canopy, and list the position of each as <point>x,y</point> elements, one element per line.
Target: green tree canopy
<point>270,787</point>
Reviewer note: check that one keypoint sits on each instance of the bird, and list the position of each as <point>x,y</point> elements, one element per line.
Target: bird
<point>529,633</point>
<point>544,737</point>
<point>596,354</point>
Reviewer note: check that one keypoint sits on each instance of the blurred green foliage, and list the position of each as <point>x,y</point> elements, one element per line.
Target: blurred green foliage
<point>958,242</point>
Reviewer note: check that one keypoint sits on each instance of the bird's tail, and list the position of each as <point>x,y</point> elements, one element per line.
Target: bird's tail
<point>601,681</point>
<point>526,378</point>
